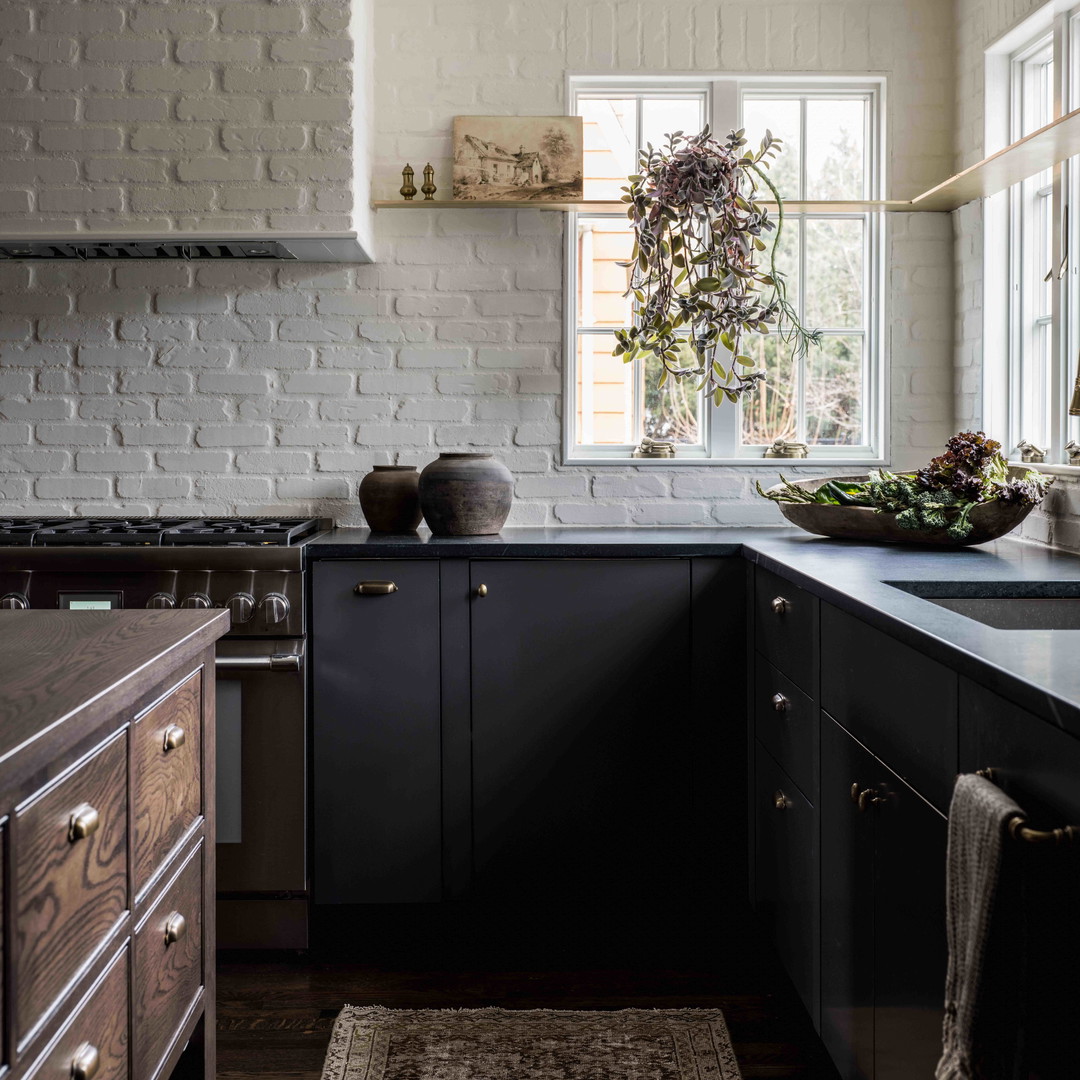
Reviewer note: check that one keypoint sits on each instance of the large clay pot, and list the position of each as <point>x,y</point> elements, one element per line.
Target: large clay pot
<point>390,498</point>
<point>466,495</point>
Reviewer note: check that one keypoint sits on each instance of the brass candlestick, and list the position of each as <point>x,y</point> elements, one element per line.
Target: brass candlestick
<point>408,188</point>
<point>428,187</point>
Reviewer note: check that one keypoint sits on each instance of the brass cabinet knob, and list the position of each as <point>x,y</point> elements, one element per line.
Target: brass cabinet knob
<point>779,605</point>
<point>481,590</point>
<point>175,736</point>
<point>85,1062</point>
<point>375,588</point>
<point>84,822</point>
<point>780,703</point>
<point>855,789</point>
<point>781,801</point>
<point>175,928</point>
<point>866,798</point>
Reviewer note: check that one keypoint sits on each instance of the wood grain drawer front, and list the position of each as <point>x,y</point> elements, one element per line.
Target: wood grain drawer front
<point>168,966</point>
<point>166,775</point>
<point>71,888</point>
<point>95,1043</point>
<point>786,724</point>
<point>786,627</point>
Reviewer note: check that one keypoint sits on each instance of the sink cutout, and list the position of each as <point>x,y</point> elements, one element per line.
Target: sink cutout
<point>1049,605</point>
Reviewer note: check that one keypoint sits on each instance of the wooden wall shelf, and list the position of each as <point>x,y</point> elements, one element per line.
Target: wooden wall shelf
<point>1042,149</point>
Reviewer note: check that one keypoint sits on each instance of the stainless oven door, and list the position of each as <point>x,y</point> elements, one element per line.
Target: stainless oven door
<point>261,785</point>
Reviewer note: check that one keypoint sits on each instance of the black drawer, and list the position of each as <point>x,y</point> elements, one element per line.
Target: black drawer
<point>786,626</point>
<point>898,703</point>
<point>786,724</point>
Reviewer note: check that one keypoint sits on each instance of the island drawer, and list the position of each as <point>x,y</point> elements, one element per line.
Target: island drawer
<point>785,627</point>
<point>786,724</point>
<point>71,884</point>
<point>95,1040</point>
<point>900,704</point>
<point>166,775</point>
<point>168,965</point>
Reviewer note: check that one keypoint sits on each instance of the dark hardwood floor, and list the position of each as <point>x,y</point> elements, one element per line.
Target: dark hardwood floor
<point>275,1013</point>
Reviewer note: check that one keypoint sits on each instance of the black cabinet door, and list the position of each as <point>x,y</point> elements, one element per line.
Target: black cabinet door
<point>581,728</point>
<point>847,903</point>
<point>376,725</point>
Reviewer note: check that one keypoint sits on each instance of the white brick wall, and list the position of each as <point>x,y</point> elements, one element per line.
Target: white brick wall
<point>158,388</point>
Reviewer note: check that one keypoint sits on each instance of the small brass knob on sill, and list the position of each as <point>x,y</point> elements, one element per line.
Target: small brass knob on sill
<point>175,737</point>
<point>481,590</point>
<point>84,822</point>
<point>781,801</point>
<point>780,703</point>
<point>85,1062</point>
<point>175,928</point>
<point>779,605</point>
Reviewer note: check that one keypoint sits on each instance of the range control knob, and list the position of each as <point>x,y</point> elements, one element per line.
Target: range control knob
<point>275,608</point>
<point>14,601</point>
<point>161,600</point>
<point>241,607</point>
<point>196,600</point>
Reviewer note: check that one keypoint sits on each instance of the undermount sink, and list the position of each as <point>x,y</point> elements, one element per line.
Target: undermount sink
<point>1005,605</point>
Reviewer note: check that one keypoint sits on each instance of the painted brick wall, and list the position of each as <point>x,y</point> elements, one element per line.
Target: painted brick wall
<point>163,388</point>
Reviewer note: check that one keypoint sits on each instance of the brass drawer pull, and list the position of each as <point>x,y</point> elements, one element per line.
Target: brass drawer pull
<point>481,590</point>
<point>175,928</point>
<point>85,1062</point>
<point>780,703</point>
<point>375,588</point>
<point>84,822</point>
<point>781,801</point>
<point>865,798</point>
<point>175,737</point>
<point>780,605</point>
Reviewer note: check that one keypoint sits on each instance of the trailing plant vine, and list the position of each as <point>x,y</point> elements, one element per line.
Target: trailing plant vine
<point>699,231</point>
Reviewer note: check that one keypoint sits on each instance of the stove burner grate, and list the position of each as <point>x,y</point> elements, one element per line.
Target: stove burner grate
<point>155,532</point>
<point>249,532</point>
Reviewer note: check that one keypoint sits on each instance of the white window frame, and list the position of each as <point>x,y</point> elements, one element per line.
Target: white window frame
<point>720,426</point>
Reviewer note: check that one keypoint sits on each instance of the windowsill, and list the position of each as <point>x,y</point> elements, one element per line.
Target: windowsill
<point>739,463</point>
<point>1051,469</point>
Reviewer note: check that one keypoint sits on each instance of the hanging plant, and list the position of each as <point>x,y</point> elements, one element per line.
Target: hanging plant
<point>696,279</point>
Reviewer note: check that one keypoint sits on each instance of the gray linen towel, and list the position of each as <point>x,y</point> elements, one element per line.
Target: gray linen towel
<point>979,989</point>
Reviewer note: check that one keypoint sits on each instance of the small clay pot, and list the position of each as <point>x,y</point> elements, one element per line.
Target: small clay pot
<point>466,495</point>
<point>390,498</point>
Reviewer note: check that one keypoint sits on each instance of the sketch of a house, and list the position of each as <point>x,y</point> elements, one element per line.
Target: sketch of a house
<point>486,162</point>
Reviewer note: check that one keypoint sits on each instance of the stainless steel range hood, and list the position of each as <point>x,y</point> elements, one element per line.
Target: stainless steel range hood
<point>314,247</point>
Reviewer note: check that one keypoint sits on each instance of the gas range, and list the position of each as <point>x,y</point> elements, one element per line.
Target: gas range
<point>252,566</point>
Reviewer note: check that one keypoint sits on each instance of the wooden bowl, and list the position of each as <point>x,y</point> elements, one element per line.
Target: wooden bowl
<point>989,521</point>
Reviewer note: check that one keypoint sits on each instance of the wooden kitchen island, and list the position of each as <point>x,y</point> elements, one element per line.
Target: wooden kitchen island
<point>106,843</point>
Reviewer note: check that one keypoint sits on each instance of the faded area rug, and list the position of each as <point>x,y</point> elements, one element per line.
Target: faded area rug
<point>529,1044</point>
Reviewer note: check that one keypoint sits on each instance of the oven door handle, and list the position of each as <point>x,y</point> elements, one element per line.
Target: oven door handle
<point>275,662</point>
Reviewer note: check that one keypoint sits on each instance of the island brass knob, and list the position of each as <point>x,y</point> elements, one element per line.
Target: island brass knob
<point>161,600</point>
<point>275,608</point>
<point>175,928</point>
<point>175,737</point>
<point>196,600</point>
<point>14,601</point>
<point>481,590</point>
<point>868,797</point>
<point>85,1062</point>
<point>241,607</point>
<point>780,703</point>
<point>781,801</point>
<point>779,605</point>
<point>84,822</point>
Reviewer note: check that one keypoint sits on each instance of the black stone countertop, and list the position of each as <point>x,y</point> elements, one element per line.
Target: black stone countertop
<point>1037,669</point>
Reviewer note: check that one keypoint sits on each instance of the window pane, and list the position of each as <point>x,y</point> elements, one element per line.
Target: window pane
<point>671,413</point>
<point>835,252</point>
<point>781,116</point>
<point>605,393</point>
<point>661,117</point>
<point>770,412</point>
<point>787,257</point>
<point>834,392</point>
<point>602,244</point>
<point>836,148</point>
<point>609,127</point>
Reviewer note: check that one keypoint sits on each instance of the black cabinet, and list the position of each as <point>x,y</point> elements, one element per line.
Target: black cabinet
<point>882,916</point>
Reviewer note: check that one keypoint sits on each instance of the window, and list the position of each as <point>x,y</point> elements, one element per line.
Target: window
<point>832,400</point>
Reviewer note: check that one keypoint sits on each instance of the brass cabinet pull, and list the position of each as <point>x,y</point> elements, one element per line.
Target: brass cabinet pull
<point>781,801</point>
<point>84,822</point>
<point>175,737</point>
<point>481,590</point>
<point>780,703</point>
<point>780,605</point>
<point>85,1062</point>
<point>375,588</point>
<point>175,928</point>
<point>865,798</point>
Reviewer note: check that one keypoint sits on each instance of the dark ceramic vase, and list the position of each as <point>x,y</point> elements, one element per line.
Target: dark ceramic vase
<point>466,495</point>
<point>390,498</point>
